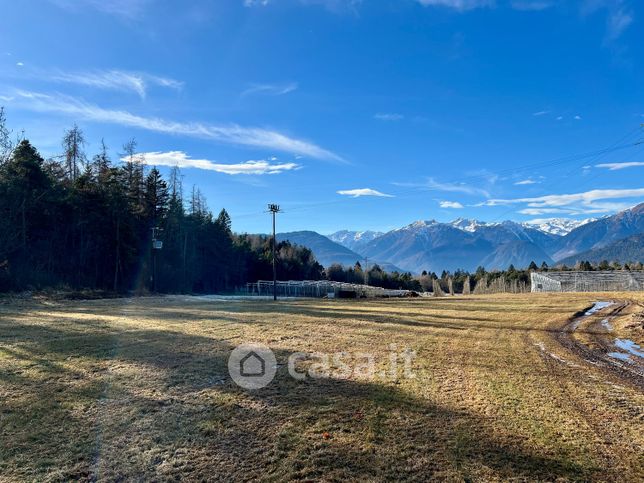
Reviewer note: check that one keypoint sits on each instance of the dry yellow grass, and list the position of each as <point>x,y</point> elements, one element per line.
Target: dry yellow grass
<point>139,389</point>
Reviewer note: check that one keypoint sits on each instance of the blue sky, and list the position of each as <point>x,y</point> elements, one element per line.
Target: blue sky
<point>349,114</point>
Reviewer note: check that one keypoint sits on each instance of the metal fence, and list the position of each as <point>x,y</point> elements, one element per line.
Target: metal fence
<point>320,289</point>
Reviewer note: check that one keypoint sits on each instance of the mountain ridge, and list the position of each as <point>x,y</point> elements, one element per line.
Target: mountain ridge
<point>467,243</point>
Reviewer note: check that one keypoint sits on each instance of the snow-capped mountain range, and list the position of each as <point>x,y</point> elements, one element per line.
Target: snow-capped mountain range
<point>553,226</point>
<point>466,244</point>
<point>557,226</point>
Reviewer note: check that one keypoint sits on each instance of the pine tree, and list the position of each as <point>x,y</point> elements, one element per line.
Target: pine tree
<point>74,151</point>
<point>223,220</point>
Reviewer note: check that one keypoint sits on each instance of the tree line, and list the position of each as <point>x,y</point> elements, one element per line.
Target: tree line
<point>76,222</point>
<point>88,223</point>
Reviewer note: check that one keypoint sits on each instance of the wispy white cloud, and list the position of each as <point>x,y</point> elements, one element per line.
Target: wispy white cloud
<point>388,116</point>
<point>229,134</point>
<point>270,89</point>
<point>450,204</point>
<point>461,5</point>
<point>618,16</point>
<point>531,5</point>
<point>432,184</point>
<point>127,9</point>
<point>20,64</point>
<point>336,6</point>
<point>540,113</point>
<point>543,211</point>
<point>594,209</point>
<point>525,182</point>
<point>576,203</point>
<point>568,199</point>
<point>115,80</point>
<point>618,166</point>
<point>577,117</point>
<point>182,160</point>
<point>356,193</point>
<point>618,22</point>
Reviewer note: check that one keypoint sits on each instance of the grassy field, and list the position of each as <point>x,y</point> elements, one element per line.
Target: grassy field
<point>139,389</point>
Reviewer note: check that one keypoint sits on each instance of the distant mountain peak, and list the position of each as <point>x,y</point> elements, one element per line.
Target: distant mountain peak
<point>354,240</point>
<point>469,225</point>
<point>556,226</point>
<point>419,224</point>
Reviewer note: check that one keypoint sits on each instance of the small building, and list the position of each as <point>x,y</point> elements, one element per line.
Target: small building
<point>581,281</point>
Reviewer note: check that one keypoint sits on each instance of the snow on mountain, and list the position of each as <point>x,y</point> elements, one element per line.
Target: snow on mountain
<point>418,225</point>
<point>354,239</point>
<point>556,226</point>
<point>469,225</point>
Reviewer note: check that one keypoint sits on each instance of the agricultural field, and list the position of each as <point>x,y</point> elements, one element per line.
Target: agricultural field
<point>503,386</point>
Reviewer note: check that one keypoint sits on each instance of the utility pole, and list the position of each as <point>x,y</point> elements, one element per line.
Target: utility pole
<point>156,245</point>
<point>274,209</point>
<point>366,268</point>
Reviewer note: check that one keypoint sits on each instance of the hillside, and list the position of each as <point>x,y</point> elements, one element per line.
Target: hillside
<point>328,252</point>
<point>518,253</point>
<point>629,249</point>
<point>429,245</point>
<point>601,232</point>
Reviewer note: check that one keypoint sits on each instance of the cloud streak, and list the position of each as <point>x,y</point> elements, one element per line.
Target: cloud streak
<point>575,203</point>
<point>618,166</point>
<point>270,89</point>
<point>432,184</point>
<point>358,192</point>
<point>618,22</point>
<point>137,82</point>
<point>388,116</point>
<point>234,134</point>
<point>182,160</point>
<point>568,199</point>
<point>126,9</point>
<point>461,5</point>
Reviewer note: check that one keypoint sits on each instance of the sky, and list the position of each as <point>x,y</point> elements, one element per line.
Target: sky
<point>349,114</point>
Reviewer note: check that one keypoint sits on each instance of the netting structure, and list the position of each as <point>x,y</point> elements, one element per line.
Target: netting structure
<point>320,289</point>
<point>582,281</point>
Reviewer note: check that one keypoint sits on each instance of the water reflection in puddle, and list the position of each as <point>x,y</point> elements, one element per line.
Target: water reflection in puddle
<point>630,348</point>
<point>597,307</point>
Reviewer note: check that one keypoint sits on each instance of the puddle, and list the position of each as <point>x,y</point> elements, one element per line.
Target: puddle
<point>620,355</point>
<point>630,348</point>
<point>597,307</point>
<point>606,325</point>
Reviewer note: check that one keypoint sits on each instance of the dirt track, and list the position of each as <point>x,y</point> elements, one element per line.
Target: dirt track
<point>600,343</point>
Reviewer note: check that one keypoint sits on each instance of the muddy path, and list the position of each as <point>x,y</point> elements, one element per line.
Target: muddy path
<point>589,335</point>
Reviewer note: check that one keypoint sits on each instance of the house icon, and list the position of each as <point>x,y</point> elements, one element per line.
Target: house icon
<point>252,365</point>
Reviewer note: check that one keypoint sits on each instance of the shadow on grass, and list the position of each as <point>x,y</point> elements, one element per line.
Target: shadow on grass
<point>157,404</point>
